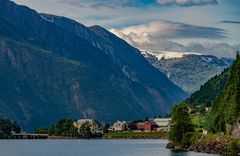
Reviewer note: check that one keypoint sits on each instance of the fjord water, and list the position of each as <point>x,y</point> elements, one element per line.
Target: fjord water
<point>89,148</point>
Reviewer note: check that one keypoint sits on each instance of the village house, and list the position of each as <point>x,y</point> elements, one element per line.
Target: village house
<point>150,126</point>
<point>163,124</point>
<point>94,125</point>
<point>131,126</point>
<point>153,125</point>
<point>118,126</point>
<point>140,126</point>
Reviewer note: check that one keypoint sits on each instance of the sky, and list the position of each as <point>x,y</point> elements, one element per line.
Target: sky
<point>205,26</point>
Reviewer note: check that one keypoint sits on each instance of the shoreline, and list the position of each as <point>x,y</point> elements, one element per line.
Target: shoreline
<point>99,138</point>
<point>211,144</point>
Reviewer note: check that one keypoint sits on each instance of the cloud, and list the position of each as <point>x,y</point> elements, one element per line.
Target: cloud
<point>217,49</point>
<point>187,3</point>
<point>231,22</point>
<point>154,34</point>
<point>161,35</point>
<point>116,3</point>
<point>98,4</point>
<point>112,4</point>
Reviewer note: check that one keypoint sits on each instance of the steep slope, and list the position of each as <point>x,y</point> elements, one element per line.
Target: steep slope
<point>207,95</point>
<point>225,115</point>
<point>40,87</point>
<point>49,72</point>
<point>190,71</point>
<point>126,57</point>
<point>222,95</point>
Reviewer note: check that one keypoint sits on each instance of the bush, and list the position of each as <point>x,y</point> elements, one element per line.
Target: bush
<point>3,135</point>
<point>6,128</point>
<point>63,127</point>
<point>190,138</point>
<point>234,147</point>
<point>105,128</point>
<point>85,131</point>
<point>42,131</point>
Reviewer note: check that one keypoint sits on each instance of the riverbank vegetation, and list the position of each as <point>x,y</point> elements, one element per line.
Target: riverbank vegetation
<point>7,128</point>
<point>187,136</point>
<point>136,135</point>
<point>64,128</point>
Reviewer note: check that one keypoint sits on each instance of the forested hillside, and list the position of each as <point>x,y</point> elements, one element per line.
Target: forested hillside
<point>225,116</point>
<point>209,92</point>
<point>221,95</point>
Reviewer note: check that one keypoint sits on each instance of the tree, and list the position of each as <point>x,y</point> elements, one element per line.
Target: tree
<point>15,127</point>
<point>106,127</point>
<point>42,130</point>
<point>146,119</point>
<point>63,127</point>
<point>6,128</point>
<point>85,130</point>
<point>181,124</point>
<point>226,109</point>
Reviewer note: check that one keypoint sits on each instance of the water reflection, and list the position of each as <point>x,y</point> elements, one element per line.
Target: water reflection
<point>175,153</point>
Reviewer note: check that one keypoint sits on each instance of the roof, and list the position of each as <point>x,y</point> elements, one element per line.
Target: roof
<point>162,122</point>
<point>85,120</point>
<point>152,123</point>
<point>140,123</point>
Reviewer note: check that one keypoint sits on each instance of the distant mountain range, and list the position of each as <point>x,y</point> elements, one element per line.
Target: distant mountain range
<point>187,70</point>
<point>53,67</point>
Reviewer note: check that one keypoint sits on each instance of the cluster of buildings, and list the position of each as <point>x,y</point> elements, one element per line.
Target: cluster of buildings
<point>152,125</point>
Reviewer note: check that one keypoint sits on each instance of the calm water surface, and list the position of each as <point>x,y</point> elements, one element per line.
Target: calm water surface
<point>88,148</point>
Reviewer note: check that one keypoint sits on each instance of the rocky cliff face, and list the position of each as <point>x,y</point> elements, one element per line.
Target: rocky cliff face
<point>190,71</point>
<point>54,68</point>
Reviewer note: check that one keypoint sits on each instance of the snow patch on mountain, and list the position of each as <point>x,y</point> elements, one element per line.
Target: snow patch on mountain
<point>207,59</point>
<point>169,54</point>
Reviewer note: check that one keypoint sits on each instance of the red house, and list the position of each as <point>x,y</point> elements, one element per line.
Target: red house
<point>150,126</point>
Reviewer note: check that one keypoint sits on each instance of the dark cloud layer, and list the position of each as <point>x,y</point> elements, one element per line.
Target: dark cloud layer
<point>231,22</point>
<point>187,3</point>
<point>97,4</point>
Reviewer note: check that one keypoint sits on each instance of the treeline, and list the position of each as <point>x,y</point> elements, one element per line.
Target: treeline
<point>7,128</point>
<point>65,128</point>
<point>226,110</point>
<point>209,92</point>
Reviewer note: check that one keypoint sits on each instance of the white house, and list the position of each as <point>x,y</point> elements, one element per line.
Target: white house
<point>163,124</point>
<point>118,126</point>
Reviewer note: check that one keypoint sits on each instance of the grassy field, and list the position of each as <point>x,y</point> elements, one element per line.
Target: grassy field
<point>136,135</point>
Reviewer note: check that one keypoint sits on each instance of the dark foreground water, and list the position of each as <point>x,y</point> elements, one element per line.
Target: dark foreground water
<point>88,148</point>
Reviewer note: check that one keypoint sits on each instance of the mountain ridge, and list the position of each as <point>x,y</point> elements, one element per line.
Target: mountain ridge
<point>190,71</point>
<point>49,72</point>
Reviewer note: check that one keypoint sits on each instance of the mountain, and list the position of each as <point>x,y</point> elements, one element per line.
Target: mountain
<point>53,67</point>
<point>222,95</point>
<point>225,115</point>
<point>207,95</point>
<point>188,70</point>
<point>128,58</point>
